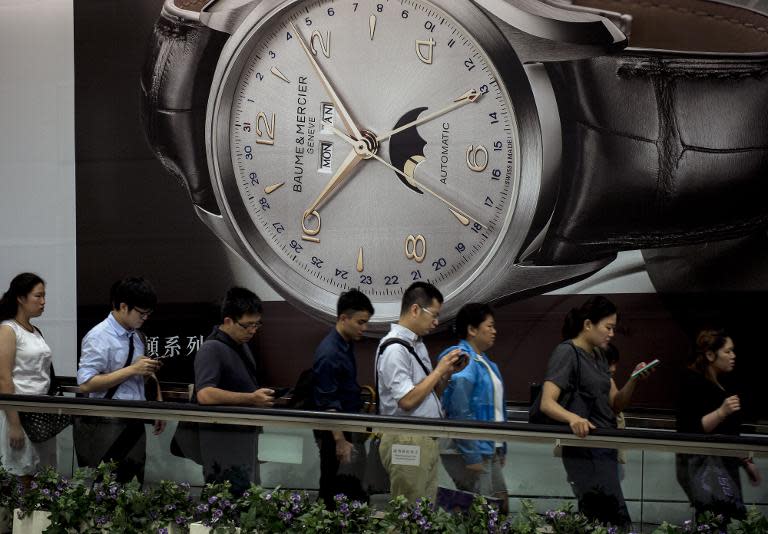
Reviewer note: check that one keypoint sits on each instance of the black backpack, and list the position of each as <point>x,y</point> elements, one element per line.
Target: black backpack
<point>302,396</point>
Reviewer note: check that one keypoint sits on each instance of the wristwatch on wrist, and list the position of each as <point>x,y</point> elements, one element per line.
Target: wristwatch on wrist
<point>494,148</point>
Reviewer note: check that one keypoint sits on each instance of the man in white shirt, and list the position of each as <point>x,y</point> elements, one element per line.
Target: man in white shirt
<point>409,386</point>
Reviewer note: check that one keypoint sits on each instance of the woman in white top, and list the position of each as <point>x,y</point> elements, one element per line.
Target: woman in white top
<point>25,368</point>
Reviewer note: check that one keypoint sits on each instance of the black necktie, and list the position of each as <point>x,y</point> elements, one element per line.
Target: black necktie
<point>130,349</point>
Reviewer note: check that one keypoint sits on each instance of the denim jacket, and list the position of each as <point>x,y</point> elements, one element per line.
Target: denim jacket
<point>469,395</point>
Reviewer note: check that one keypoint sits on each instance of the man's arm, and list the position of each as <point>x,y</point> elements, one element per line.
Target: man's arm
<point>445,367</point>
<point>91,375</point>
<point>212,395</point>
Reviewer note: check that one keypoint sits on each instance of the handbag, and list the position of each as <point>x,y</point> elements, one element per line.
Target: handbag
<point>41,426</point>
<point>574,399</point>
<point>712,486</point>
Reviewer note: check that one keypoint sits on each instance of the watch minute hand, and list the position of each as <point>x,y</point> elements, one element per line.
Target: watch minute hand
<point>469,97</point>
<point>346,118</point>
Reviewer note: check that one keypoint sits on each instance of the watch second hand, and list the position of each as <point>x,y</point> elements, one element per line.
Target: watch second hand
<point>470,96</point>
<point>345,116</point>
<point>359,149</point>
<point>457,212</point>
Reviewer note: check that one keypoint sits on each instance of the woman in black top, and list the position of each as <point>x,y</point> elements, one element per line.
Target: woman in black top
<point>590,399</point>
<point>705,406</point>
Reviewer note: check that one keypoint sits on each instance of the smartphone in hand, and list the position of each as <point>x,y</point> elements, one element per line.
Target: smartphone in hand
<point>462,360</point>
<point>650,365</point>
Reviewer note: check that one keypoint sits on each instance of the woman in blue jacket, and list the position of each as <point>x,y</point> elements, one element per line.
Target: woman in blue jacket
<point>476,393</point>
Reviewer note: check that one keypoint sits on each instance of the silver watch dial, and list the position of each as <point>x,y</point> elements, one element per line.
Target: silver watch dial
<point>371,144</point>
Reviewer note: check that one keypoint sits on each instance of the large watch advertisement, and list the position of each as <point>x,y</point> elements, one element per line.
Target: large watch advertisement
<point>369,144</point>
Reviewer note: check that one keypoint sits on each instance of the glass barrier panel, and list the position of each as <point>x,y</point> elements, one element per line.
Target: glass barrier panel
<point>539,471</point>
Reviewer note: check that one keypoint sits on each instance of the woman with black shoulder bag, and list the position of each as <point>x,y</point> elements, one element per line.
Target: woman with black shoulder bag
<point>578,390</point>
<point>25,368</point>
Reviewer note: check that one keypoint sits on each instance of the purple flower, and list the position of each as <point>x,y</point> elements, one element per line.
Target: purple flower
<point>181,520</point>
<point>403,515</point>
<point>212,499</point>
<point>202,508</point>
<point>33,485</point>
<point>162,531</point>
<point>57,493</point>
<point>101,520</point>
<point>170,507</point>
<point>46,492</point>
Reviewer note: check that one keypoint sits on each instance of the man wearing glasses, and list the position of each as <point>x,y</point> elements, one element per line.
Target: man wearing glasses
<point>113,366</point>
<point>409,386</point>
<point>226,374</point>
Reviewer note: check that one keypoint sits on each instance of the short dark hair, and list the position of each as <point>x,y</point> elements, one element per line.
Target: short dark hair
<point>472,314</point>
<point>353,301</point>
<point>595,309</point>
<point>421,293</point>
<point>21,286</point>
<point>239,301</point>
<point>134,291</point>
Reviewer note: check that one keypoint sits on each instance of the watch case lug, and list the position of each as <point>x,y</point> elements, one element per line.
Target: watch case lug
<point>542,31</point>
<point>226,15</point>
<point>525,278</point>
<point>220,228</point>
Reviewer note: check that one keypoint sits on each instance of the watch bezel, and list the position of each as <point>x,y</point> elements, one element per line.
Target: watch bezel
<point>318,302</point>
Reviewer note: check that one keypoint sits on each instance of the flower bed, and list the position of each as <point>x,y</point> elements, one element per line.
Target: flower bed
<point>92,502</point>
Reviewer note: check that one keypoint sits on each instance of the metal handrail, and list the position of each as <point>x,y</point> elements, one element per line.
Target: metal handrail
<point>720,445</point>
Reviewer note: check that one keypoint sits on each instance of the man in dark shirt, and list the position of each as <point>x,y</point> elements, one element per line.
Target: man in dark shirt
<point>335,388</point>
<point>225,374</point>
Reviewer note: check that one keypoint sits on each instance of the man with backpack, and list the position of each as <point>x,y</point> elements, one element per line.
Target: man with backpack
<point>408,385</point>
<point>335,388</point>
<point>226,374</point>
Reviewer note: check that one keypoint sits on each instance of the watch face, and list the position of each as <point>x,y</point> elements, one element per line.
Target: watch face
<point>365,144</point>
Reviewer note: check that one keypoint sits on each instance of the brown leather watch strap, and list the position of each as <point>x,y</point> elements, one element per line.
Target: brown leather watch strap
<point>191,5</point>
<point>661,147</point>
<point>175,83</point>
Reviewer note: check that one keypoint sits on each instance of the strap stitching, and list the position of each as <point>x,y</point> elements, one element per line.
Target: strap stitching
<point>697,13</point>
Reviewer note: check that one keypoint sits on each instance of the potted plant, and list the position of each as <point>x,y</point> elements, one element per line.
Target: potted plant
<point>8,494</point>
<point>217,511</point>
<point>71,508</point>
<point>347,517</point>
<point>34,502</point>
<point>421,516</point>
<point>272,510</point>
<point>172,507</point>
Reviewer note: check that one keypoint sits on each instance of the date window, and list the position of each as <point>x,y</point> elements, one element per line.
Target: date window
<point>326,115</point>
<point>326,156</point>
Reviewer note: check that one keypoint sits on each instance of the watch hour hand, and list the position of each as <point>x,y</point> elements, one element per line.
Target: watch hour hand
<point>349,163</point>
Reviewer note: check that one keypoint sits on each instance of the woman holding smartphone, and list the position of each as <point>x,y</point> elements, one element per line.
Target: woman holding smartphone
<point>476,393</point>
<point>707,406</point>
<point>578,390</point>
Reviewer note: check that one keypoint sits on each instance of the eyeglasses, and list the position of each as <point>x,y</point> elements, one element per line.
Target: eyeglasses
<point>434,315</point>
<point>143,313</point>
<point>249,326</point>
